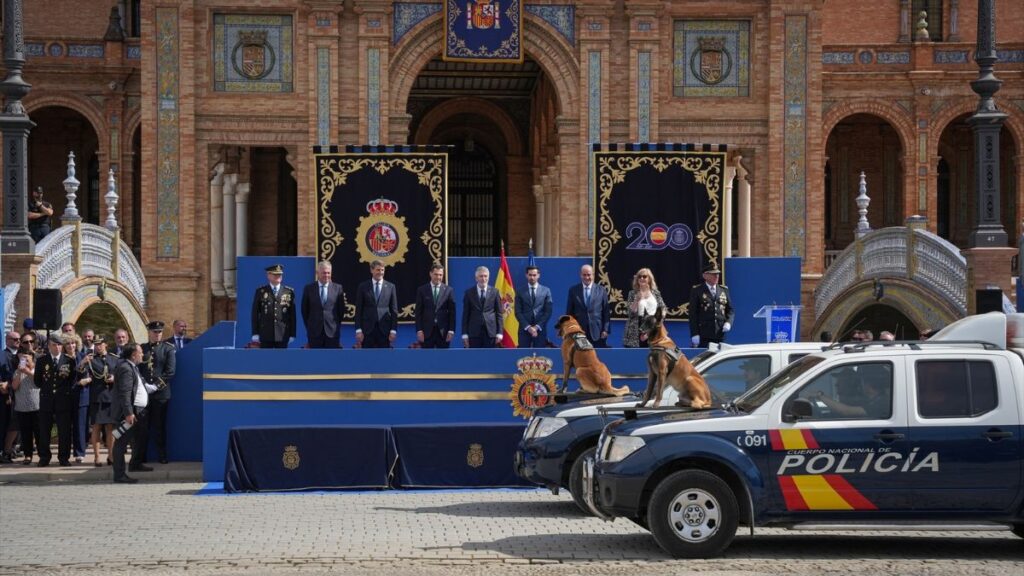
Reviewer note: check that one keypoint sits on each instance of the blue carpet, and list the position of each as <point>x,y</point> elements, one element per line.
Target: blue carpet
<point>217,489</point>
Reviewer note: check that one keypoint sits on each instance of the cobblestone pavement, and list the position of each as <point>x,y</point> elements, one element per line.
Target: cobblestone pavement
<point>165,528</point>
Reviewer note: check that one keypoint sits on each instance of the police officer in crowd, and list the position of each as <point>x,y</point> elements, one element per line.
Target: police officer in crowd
<point>39,213</point>
<point>273,311</point>
<point>157,368</point>
<point>55,377</point>
<point>711,313</point>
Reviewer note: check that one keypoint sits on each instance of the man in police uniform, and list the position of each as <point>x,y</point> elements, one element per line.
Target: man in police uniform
<point>157,368</point>
<point>273,311</point>
<point>55,378</point>
<point>711,312</point>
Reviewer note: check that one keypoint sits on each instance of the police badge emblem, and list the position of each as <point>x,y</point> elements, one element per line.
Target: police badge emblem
<point>533,378</point>
<point>382,234</point>
<point>475,456</point>
<point>290,458</point>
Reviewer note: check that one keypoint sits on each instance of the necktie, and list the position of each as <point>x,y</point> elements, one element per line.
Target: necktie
<point>323,294</point>
<point>533,294</point>
<point>376,290</point>
<point>586,296</point>
<point>435,295</point>
<point>275,291</point>
<point>482,292</point>
<point>180,345</point>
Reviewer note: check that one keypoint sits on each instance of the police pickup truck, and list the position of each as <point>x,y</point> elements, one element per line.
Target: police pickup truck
<point>558,437</point>
<point>880,434</point>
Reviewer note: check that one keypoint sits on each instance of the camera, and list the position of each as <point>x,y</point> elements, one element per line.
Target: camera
<point>123,427</point>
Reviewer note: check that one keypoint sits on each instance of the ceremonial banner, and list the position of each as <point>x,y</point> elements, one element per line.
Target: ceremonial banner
<point>382,203</point>
<point>507,294</point>
<point>657,206</point>
<point>483,31</point>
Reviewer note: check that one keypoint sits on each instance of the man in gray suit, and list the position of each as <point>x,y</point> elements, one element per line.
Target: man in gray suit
<point>533,310</point>
<point>131,396</point>
<point>376,310</point>
<point>323,306</point>
<point>588,304</point>
<point>482,318</point>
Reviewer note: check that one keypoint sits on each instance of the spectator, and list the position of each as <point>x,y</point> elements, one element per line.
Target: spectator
<point>533,310</point>
<point>643,300</point>
<point>26,398</point>
<point>887,336</point>
<point>80,408</point>
<point>39,213</point>
<point>482,321</point>
<point>121,340</point>
<point>323,307</point>
<point>100,373</point>
<point>131,396</point>
<point>435,311</point>
<point>825,336</point>
<point>8,420</point>
<point>376,310</point>
<point>587,302</point>
<point>180,335</point>
<point>88,342</point>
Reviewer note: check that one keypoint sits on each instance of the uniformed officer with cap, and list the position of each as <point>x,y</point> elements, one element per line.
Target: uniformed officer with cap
<point>273,311</point>
<point>711,312</point>
<point>157,368</point>
<point>55,378</point>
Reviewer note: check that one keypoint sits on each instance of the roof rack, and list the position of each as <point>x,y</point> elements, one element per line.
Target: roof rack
<point>850,347</point>
<point>565,397</point>
<point>631,413</point>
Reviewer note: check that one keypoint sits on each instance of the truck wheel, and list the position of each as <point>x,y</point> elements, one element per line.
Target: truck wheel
<point>693,514</point>
<point>576,479</point>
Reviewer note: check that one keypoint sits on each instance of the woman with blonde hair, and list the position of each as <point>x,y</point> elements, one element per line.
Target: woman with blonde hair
<point>643,300</point>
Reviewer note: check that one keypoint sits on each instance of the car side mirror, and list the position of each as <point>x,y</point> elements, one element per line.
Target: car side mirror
<point>797,409</point>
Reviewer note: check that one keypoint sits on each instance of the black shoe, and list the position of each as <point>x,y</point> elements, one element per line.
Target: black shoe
<point>125,480</point>
<point>42,464</point>
<point>141,468</point>
<point>65,463</point>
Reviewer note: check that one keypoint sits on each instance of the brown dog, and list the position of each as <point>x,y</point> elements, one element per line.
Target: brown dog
<point>667,366</point>
<point>578,352</point>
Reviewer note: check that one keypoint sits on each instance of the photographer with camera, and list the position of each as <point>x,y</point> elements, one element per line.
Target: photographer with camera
<point>39,213</point>
<point>131,396</point>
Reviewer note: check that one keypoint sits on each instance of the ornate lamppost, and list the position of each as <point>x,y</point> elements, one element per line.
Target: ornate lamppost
<point>15,125</point>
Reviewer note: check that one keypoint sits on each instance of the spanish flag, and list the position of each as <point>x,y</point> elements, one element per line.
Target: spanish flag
<point>507,293</point>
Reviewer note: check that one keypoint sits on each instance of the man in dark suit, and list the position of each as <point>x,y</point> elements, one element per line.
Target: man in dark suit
<point>55,378</point>
<point>131,397</point>
<point>376,310</point>
<point>121,340</point>
<point>323,307</point>
<point>711,312</point>
<point>273,311</point>
<point>533,310</point>
<point>180,336</point>
<point>588,304</point>
<point>482,317</point>
<point>435,311</point>
<point>8,365</point>
<point>159,359</point>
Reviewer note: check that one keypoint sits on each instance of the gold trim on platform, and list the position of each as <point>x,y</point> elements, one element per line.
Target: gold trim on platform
<point>360,395</point>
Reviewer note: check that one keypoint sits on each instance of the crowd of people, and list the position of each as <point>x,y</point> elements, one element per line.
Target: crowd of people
<point>322,306</point>
<point>95,393</point>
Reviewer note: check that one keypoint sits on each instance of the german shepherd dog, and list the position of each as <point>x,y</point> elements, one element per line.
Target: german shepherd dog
<point>578,352</point>
<point>667,366</point>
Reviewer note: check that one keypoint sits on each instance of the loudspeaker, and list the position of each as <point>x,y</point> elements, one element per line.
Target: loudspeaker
<point>988,300</point>
<point>46,303</point>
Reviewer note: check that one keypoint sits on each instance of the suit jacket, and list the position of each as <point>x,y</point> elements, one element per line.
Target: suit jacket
<point>323,318</point>
<point>707,313</point>
<point>125,387</point>
<point>173,342</point>
<point>595,318</point>
<point>376,312</point>
<point>535,312</point>
<point>157,367</point>
<point>273,319</point>
<point>429,313</point>
<point>56,383</point>
<point>8,365</point>
<point>489,315</point>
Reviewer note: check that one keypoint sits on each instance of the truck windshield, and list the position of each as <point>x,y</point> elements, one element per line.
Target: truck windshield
<point>758,395</point>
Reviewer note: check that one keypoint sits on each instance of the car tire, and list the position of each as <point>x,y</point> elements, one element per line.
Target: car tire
<point>693,514</point>
<point>576,479</point>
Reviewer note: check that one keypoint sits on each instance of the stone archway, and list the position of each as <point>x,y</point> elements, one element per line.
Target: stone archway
<point>852,309</point>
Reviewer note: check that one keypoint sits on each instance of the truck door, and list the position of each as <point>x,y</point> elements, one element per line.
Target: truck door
<point>848,454</point>
<point>964,434</point>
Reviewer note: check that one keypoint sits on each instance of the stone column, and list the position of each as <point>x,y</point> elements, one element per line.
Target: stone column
<point>242,219</point>
<point>541,225</point>
<point>744,208</point>
<point>217,231</point>
<point>904,21</point>
<point>229,234</point>
<point>727,224</point>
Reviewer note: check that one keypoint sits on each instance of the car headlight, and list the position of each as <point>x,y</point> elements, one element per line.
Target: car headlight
<point>619,447</point>
<point>546,426</point>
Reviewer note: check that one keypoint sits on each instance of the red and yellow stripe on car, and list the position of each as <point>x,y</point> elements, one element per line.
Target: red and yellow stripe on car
<point>822,492</point>
<point>792,440</point>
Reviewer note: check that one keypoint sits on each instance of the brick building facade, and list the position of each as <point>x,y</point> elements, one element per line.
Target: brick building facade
<point>809,94</point>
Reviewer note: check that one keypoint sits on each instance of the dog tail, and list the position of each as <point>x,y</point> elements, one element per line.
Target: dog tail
<point>619,391</point>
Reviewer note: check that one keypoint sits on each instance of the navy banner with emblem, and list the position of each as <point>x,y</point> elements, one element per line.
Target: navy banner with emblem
<point>483,31</point>
<point>657,206</point>
<point>382,203</point>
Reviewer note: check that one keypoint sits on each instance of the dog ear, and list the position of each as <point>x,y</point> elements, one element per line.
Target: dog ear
<point>659,315</point>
